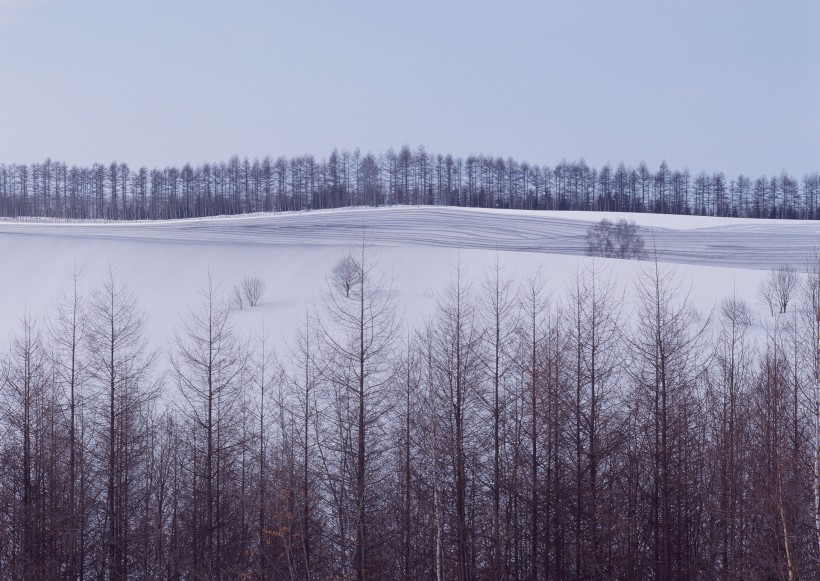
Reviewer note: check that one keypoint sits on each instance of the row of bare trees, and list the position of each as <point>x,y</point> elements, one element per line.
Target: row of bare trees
<point>524,431</point>
<point>53,189</point>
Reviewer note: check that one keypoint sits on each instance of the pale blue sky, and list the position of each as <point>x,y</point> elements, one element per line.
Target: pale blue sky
<point>715,85</point>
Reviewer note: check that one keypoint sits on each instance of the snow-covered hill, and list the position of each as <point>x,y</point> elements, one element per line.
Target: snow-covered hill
<point>166,262</point>
<point>684,239</point>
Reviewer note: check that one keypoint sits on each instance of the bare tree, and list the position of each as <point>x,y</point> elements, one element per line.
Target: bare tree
<point>778,288</point>
<point>253,288</point>
<point>621,239</point>
<point>120,366</point>
<point>408,549</point>
<point>346,273</point>
<point>236,300</point>
<point>774,550</point>
<point>303,376</point>
<point>498,312</point>
<point>27,399</point>
<point>727,401</point>
<point>667,360</point>
<point>456,360</point>
<point>592,318</point>
<point>209,362</point>
<point>357,338</point>
<point>263,380</point>
<point>629,241</point>
<point>67,335</point>
<point>811,301</point>
<point>533,335</point>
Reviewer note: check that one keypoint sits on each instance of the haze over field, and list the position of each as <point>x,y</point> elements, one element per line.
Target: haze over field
<point>166,262</point>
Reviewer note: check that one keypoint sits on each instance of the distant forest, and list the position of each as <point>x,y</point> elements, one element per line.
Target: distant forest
<point>117,192</point>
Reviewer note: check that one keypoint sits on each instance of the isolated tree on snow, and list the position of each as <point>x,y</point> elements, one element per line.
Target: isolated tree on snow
<point>778,288</point>
<point>615,240</point>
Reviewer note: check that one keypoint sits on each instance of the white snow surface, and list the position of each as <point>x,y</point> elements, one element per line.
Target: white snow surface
<point>165,263</point>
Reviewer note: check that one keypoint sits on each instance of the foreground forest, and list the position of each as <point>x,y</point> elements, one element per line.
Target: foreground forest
<point>525,431</point>
<point>116,192</point>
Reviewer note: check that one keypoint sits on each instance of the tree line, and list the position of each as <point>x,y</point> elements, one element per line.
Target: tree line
<point>521,432</point>
<point>116,192</point>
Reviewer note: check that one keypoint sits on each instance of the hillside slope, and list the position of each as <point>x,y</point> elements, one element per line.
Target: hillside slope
<point>166,262</point>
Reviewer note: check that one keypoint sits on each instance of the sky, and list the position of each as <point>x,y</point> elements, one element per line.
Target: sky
<point>714,85</point>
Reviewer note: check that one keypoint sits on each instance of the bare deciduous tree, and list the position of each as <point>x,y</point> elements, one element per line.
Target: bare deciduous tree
<point>235,300</point>
<point>811,301</point>
<point>667,362</point>
<point>498,303</point>
<point>303,377</point>
<point>592,318</point>
<point>67,335</point>
<point>346,273</point>
<point>727,401</point>
<point>209,361</point>
<point>120,363</point>
<point>615,240</point>
<point>27,400</point>
<point>533,334</point>
<point>457,342</point>
<point>778,288</point>
<point>358,336</point>
<point>253,288</point>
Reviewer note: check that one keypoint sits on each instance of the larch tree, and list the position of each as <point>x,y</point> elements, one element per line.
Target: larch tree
<point>593,320</point>
<point>29,400</point>
<point>208,362</point>
<point>120,367</point>
<point>67,339</point>
<point>811,302</point>
<point>357,332</point>
<point>303,376</point>
<point>727,398</point>
<point>667,364</point>
<point>533,332</point>
<point>457,342</point>
<point>498,311</point>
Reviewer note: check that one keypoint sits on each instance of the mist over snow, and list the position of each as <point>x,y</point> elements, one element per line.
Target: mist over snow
<point>166,263</point>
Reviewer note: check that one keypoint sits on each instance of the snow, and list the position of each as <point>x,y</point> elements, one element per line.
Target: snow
<point>165,263</point>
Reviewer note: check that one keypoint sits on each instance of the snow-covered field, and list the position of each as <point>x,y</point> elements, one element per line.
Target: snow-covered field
<point>165,263</point>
